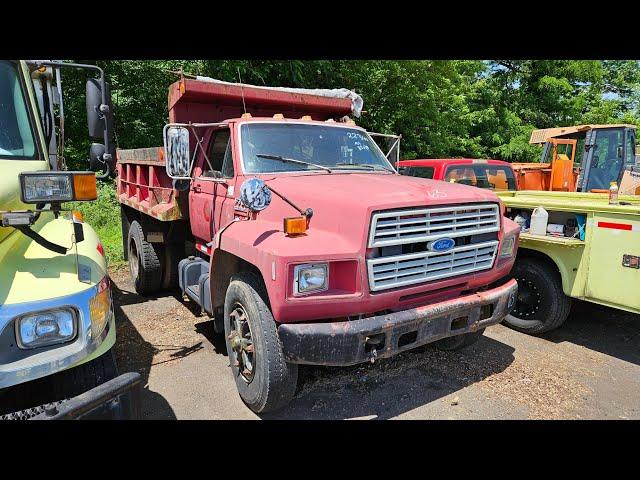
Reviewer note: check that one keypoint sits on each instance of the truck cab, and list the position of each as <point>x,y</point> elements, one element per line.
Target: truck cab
<point>56,316</point>
<point>581,158</point>
<point>293,230</point>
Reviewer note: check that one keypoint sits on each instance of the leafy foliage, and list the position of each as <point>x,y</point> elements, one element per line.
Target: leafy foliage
<point>442,108</point>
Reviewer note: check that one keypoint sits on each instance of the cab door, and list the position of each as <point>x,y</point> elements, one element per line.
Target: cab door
<point>210,186</point>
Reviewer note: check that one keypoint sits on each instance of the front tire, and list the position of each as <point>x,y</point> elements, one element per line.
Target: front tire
<point>265,381</point>
<point>541,305</point>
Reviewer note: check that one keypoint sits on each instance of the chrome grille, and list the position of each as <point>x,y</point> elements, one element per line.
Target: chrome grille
<point>409,269</point>
<point>395,228</point>
<point>400,227</point>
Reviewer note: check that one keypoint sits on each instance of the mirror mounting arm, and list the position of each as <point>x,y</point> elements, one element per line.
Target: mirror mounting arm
<point>104,107</point>
<point>307,212</point>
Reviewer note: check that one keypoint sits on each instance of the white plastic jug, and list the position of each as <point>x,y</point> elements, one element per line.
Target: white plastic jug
<point>539,219</point>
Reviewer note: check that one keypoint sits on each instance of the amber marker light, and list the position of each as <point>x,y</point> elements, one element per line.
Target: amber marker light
<point>84,186</point>
<point>295,225</point>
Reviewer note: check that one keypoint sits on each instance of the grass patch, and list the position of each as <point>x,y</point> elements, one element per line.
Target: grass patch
<point>103,215</point>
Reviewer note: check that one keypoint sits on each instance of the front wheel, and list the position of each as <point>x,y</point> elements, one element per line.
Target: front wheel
<point>265,381</point>
<point>541,305</point>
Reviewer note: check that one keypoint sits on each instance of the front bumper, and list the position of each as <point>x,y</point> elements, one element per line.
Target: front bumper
<point>116,399</point>
<point>380,336</point>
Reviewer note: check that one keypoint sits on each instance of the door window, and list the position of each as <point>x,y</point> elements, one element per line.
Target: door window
<point>218,146</point>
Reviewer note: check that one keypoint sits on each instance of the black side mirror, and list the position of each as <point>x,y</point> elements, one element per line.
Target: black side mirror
<point>95,119</point>
<point>96,152</point>
<point>98,161</point>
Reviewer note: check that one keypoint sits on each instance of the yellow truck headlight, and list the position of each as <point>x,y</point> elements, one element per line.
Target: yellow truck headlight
<point>45,187</point>
<point>49,327</point>
<point>100,307</point>
<point>310,278</point>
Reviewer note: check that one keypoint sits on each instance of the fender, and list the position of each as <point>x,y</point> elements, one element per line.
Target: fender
<point>568,261</point>
<point>262,244</point>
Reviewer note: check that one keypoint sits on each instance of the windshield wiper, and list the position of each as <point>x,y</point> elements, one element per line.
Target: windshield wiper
<point>366,165</point>
<point>291,160</point>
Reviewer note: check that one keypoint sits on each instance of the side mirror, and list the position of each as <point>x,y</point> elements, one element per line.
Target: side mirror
<point>97,161</point>
<point>176,150</point>
<point>255,195</point>
<point>97,113</point>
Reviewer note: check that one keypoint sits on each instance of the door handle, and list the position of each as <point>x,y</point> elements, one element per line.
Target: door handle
<point>197,188</point>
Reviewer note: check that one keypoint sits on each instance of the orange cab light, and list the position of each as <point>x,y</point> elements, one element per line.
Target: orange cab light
<point>305,117</point>
<point>278,116</point>
<point>295,225</point>
<point>84,186</point>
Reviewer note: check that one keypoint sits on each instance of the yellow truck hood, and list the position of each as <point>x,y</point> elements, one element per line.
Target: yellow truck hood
<point>29,272</point>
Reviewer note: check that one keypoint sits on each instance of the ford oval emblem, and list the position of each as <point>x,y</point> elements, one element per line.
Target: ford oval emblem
<point>441,245</point>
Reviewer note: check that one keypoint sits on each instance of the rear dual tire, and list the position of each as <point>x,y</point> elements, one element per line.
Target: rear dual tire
<point>153,266</point>
<point>144,261</point>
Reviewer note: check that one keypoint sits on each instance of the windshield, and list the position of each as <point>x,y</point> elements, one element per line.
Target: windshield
<point>489,176</point>
<point>337,148</point>
<point>607,161</point>
<point>16,134</point>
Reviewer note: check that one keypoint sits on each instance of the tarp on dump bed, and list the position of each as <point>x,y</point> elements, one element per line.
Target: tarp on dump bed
<point>356,100</point>
<point>204,99</point>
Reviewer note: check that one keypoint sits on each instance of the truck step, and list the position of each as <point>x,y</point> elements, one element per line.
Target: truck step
<point>193,277</point>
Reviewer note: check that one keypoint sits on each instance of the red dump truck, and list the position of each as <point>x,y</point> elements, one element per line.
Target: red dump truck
<point>287,224</point>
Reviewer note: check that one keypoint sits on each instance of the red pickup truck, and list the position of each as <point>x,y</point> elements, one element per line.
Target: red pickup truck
<point>287,224</point>
<point>481,173</point>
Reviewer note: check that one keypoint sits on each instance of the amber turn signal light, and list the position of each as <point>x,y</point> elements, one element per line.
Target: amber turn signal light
<point>295,225</point>
<point>84,186</point>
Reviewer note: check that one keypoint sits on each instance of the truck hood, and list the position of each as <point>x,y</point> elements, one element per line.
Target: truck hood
<point>30,272</point>
<point>369,191</point>
<point>342,207</point>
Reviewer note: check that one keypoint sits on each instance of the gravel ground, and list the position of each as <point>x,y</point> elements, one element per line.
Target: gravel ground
<point>587,369</point>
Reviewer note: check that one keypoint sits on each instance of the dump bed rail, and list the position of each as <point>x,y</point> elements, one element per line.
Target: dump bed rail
<point>143,183</point>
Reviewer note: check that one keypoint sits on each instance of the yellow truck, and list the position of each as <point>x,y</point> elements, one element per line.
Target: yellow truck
<point>590,250</point>
<point>57,324</point>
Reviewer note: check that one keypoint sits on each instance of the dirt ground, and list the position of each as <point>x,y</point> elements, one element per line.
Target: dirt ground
<point>587,369</point>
